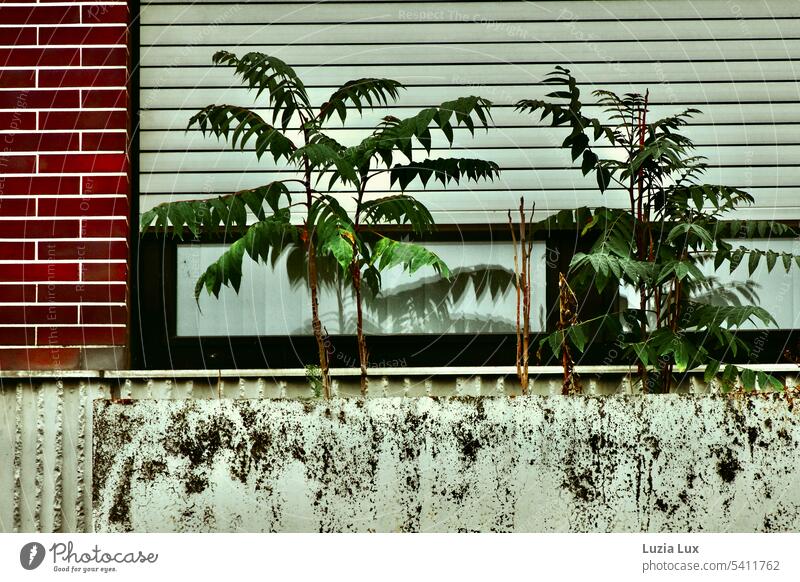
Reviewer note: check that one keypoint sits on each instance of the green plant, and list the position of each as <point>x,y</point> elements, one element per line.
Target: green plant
<point>324,228</point>
<point>675,223</point>
<point>314,377</point>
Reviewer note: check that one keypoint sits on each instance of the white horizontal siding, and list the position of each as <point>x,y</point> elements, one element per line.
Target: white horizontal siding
<point>735,61</point>
<point>392,12</point>
<point>155,141</point>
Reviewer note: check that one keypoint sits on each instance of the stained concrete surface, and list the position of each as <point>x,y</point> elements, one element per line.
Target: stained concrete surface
<point>525,464</point>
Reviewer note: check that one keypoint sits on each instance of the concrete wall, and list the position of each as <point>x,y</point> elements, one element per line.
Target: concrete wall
<point>543,463</point>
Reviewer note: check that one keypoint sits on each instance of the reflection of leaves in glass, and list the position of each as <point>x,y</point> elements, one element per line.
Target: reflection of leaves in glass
<point>429,304</point>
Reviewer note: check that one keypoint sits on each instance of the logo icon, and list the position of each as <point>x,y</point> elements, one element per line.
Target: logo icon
<point>31,555</point>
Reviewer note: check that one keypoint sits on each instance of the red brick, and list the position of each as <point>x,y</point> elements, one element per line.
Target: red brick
<point>39,314</point>
<point>105,185</point>
<point>32,272</point>
<point>27,99</point>
<point>17,78</point>
<point>17,164</point>
<point>61,293</point>
<point>17,207</point>
<point>82,35</point>
<point>39,185</point>
<point>82,163</point>
<point>109,141</point>
<point>40,15</point>
<point>41,142</point>
<point>16,293</point>
<point>17,251</point>
<point>40,57</point>
<point>71,336</point>
<point>18,336</point>
<point>39,228</point>
<point>104,272</point>
<point>108,13</point>
<point>83,120</point>
<point>116,98</point>
<point>104,228</point>
<point>40,358</point>
<point>98,314</point>
<point>17,120</point>
<point>85,250</point>
<point>19,36</point>
<point>83,78</point>
<point>105,57</point>
<point>83,206</point>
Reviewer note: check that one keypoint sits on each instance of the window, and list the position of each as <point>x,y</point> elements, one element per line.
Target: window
<point>498,50</point>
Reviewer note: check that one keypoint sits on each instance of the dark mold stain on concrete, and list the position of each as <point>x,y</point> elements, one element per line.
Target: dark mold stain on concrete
<point>728,466</point>
<point>581,484</point>
<point>120,509</point>
<point>341,456</point>
<point>196,483</point>
<point>152,468</point>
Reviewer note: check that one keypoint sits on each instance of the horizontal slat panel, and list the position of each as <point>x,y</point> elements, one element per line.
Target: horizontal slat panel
<point>413,31</point>
<point>506,137</point>
<point>645,73</point>
<point>491,206</point>
<point>489,12</point>
<point>734,61</point>
<point>576,52</point>
<point>544,179</point>
<point>689,94</point>
<point>507,117</point>
<point>506,158</point>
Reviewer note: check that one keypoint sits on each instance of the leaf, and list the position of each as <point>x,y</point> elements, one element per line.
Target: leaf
<point>578,337</point>
<point>260,240</point>
<point>398,209</point>
<point>748,377</point>
<point>554,341</point>
<point>340,246</point>
<point>772,258</point>
<point>752,262</point>
<point>712,367</point>
<point>769,381</point>
<point>209,214</point>
<point>445,170</point>
<point>787,261</point>
<point>238,125</point>
<point>376,92</point>
<point>687,228</point>
<point>412,257</point>
<point>333,230</point>
<point>640,349</point>
<point>736,258</point>
<point>722,255</point>
<point>322,156</point>
<point>400,134</point>
<point>285,91</point>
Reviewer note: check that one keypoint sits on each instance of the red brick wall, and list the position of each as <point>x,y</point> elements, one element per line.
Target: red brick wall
<point>64,185</point>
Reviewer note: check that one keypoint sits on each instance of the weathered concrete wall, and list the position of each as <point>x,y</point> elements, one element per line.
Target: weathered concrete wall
<point>45,451</point>
<point>661,463</point>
